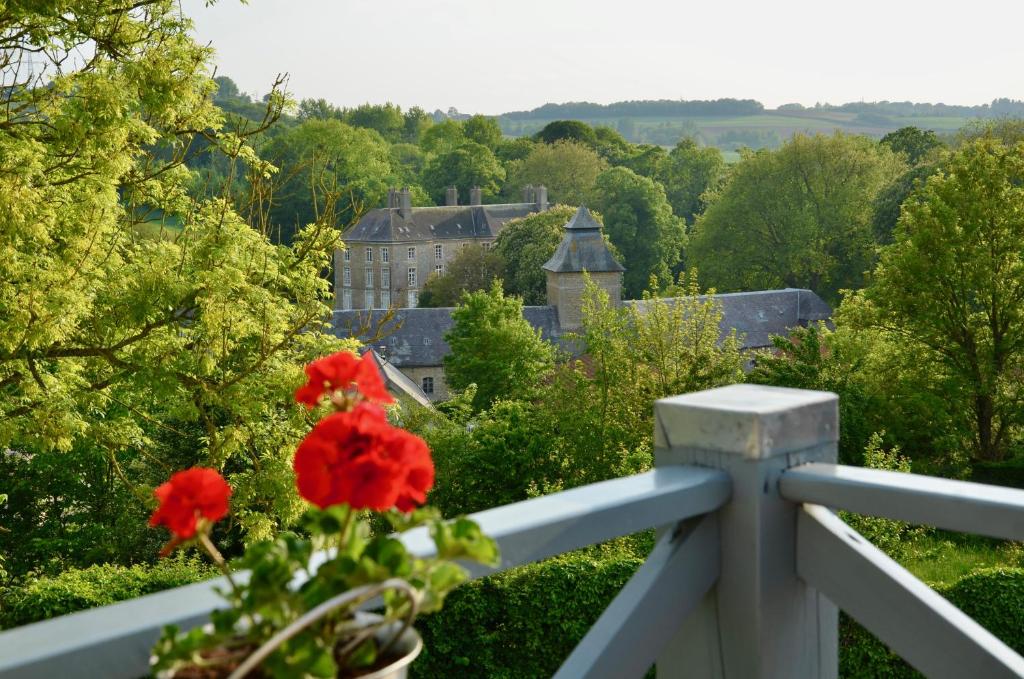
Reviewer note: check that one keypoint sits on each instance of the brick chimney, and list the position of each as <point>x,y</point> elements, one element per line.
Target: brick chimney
<point>451,196</point>
<point>475,196</point>
<point>392,197</point>
<point>528,193</point>
<point>405,202</point>
<point>541,194</point>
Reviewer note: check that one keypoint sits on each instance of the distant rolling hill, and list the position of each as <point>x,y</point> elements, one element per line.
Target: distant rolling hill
<point>756,129</point>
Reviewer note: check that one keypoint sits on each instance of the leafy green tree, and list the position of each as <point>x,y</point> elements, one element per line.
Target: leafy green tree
<point>913,142</point>
<point>417,122</point>
<point>886,210</point>
<point>953,284</point>
<point>407,162</point>
<point>386,119</point>
<point>601,409</point>
<point>1009,131</point>
<point>812,358</point>
<point>568,170</point>
<point>611,145</point>
<point>514,149</point>
<point>495,348</point>
<point>796,217</point>
<point>483,130</point>
<point>467,166</point>
<point>443,137</point>
<point>318,109</point>
<point>332,171</point>
<point>640,223</point>
<point>226,88</point>
<point>112,340</point>
<point>687,174</point>
<point>645,159</point>
<point>508,455</point>
<point>473,268</point>
<point>567,130</point>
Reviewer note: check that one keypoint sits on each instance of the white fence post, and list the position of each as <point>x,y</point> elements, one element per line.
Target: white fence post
<point>760,620</point>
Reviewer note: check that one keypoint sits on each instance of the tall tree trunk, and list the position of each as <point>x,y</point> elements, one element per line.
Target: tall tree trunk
<point>984,413</point>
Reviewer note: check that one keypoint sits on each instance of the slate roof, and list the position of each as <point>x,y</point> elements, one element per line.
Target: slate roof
<point>397,383</point>
<point>419,341</point>
<point>436,223</point>
<point>758,315</point>
<point>415,337</point>
<point>582,248</point>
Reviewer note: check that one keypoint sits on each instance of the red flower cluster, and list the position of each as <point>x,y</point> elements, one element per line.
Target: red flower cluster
<point>346,372</point>
<point>356,457</point>
<point>188,496</point>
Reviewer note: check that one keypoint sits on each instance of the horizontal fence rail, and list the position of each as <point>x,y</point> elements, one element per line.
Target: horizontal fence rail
<point>915,621</point>
<point>115,641</point>
<point>959,506</point>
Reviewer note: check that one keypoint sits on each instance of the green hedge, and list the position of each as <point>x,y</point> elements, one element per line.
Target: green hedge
<point>523,623</point>
<point>81,588</point>
<point>994,597</point>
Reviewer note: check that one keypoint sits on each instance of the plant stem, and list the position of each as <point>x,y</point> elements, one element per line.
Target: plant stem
<point>218,559</point>
<point>343,536</point>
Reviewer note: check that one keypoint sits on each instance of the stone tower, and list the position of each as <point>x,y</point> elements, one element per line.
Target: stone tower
<point>582,250</point>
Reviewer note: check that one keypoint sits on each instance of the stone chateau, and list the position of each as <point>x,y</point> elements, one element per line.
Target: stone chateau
<point>417,347</point>
<point>392,251</point>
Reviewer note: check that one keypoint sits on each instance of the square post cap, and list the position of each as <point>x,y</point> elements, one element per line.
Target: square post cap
<point>751,421</point>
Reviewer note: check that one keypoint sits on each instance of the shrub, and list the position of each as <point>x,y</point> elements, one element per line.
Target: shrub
<point>994,597</point>
<point>81,588</point>
<point>524,622</point>
<point>892,537</point>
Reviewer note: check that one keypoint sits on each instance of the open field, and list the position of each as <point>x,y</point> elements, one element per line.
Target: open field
<point>728,133</point>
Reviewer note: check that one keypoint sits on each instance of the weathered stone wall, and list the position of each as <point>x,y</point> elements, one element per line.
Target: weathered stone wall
<point>565,291</point>
<point>436,372</point>
<point>398,263</point>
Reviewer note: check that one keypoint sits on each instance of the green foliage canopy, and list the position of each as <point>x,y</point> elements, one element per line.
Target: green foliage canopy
<point>796,217</point>
<point>568,169</point>
<point>109,338</point>
<point>334,172</point>
<point>687,173</point>
<point>912,141</point>
<point>639,222</point>
<point>469,165</point>
<point>495,348</point>
<point>953,284</point>
<point>567,130</point>
<point>473,268</point>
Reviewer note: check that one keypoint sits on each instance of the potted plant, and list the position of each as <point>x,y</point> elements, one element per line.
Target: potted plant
<point>299,610</point>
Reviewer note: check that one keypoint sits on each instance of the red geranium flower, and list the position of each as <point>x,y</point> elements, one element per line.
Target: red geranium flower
<point>413,457</point>
<point>188,496</point>
<point>346,372</point>
<point>344,459</point>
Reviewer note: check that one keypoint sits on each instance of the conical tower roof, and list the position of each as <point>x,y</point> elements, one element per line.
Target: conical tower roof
<point>582,248</point>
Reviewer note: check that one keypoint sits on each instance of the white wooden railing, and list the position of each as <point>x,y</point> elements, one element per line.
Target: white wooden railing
<point>743,583</point>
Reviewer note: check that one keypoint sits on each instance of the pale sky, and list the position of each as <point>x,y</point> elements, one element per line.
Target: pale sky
<point>490,57</point>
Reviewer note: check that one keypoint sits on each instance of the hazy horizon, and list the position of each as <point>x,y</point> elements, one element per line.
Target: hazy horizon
<point>519,56</point>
